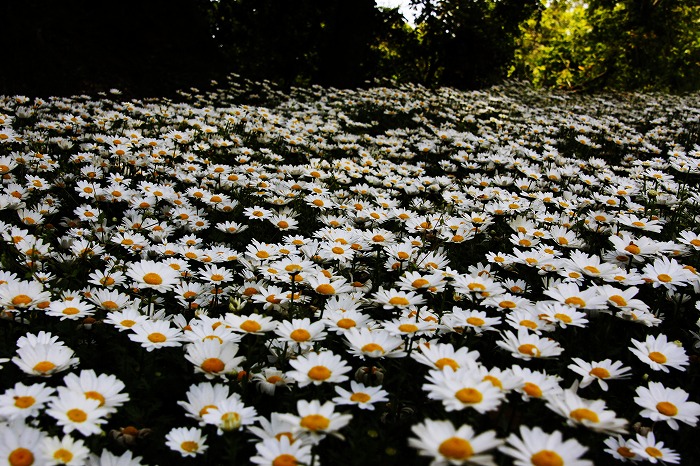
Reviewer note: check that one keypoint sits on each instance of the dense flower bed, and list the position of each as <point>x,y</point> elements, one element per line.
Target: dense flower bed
<point>379,276</point>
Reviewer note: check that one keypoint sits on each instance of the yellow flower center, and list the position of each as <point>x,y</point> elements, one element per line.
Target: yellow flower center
<point>262,254</point>
<point>599,372</point>
<point>21,457</point>
<point>152,278</point>
<point>206,409</point>
<point>315,422</point>
<point>21,300</point>
<point>70,311</point>
<point>189,446</point>
<point>469,395</point>
<point>285,460</point>
<point>77,415</point>
<point>625,452</point>
<point>507,304</point>
<point>360,397</point>
<point>319,373</point>
<point>475,321</point>
<point>372,347</point>
<point>300,335</point>
<point>24,402</point>
<point>399,301</point>
<point>408,328</point>
<point>250,326</point>
<point>346,323</point>
<point>528,323</point>
<point>584,413</point>
<point>665,278</point>
<point>591,269</point>
<point>666,408</point>
<point>619,300</point>
<point>44,366</point>
<point>655,452</point>
<point>157,337</point>
<point>213,365</point>
<point>442,362</point>
<point>338,250</point>
<point>563,317</point>
<point>532,390</point>
<point>633,249</point>
<point>62,455</point>
<point>420,283</point>
<point>127,323</point>
<point>494,381</point>
<point>575,301</point>
<point>110,305</point>
<point>546,458</point>
<point>93,395</point>
<point>657,357</point>
<point>325,289</point>
<point>529,350</point>
<point>456,448</point>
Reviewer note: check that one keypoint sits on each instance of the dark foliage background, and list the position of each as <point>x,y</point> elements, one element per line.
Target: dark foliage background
<point>153,48</point>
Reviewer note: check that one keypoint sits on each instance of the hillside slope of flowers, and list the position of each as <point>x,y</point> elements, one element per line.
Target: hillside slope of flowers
<point>393,275</point>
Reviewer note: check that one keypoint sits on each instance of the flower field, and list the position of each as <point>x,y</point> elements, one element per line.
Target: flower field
<point>391,275</point>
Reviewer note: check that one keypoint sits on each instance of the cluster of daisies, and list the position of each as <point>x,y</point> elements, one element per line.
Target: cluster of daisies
<point>497,276</point>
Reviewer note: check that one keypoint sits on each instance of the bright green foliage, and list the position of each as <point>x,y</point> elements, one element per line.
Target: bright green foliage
<point>631,44</point>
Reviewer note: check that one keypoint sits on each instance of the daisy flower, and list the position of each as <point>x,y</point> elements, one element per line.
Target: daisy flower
<point>600,371</point>
<point>44,359</point>
<point>366,343</point>
<point>339,321</point>
<point>667,404</point>
<point>448,445</point>
<point>300,332</point>
<point>463,389</point>
<point>22,294</point>
<point>538,448</point>
<point>20,444</point>
<point>536,384</point>
<point>278,452</point>
<point>527,346</point>
<point>187,442</point>
<point>442,355</point>
<point>569,294</point>
<point>589,413</point>
<point>214,359</point>
<point>154,275</point>
<point>318,368</point>
<point>74,411</point>
<point>561,314</point>
<point>230,414</point>
<point>256,324</point>
<point>528,319</point>
<point>477,321</point>
<point>203,397</point>
<point>269,379</point>
<point>105,388</point>
<point>410,327</point>
<point>125,319</point>
<point>619,448</point>
<point>110,459</point>
<point>156,334</point>
<point>65,450</point>
<point>667,273</point>
<point>315,419</point>
<point>648,448</point>
<point>395,299</point>
<point>276,428</point>
<point>660,354</point>
<point>360,395</point>
<point>73,309</point>
<point>23,401</point>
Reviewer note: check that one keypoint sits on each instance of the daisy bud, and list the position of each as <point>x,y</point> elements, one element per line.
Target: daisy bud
<point>235,304</point>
